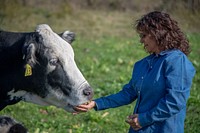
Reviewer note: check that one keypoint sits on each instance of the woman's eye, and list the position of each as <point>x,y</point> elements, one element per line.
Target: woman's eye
<point>53,62</point>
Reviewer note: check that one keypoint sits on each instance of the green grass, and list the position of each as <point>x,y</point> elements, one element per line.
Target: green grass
<point>105,50</point>
<point>192,124</point>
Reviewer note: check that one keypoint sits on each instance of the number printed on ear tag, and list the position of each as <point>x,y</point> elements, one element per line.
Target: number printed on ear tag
<point>28,71</point>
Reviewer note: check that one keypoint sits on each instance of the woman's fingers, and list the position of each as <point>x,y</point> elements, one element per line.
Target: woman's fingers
<point>81,108</point>
<point>85,107</point>
<point>132,120</point>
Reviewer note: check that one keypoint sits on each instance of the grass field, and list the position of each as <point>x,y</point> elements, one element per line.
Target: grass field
<point>105,50</point>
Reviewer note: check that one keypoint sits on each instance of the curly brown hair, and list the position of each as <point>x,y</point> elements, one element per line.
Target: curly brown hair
<point>165,30</point>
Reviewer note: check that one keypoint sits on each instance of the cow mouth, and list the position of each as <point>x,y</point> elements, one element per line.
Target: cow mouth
<point>86,103</point>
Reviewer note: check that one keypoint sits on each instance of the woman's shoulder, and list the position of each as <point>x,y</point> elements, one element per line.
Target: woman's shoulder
<point>177,57</point>
<point>174,54</point>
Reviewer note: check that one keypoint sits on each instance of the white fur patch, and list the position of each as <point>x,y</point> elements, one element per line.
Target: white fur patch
<point>63,51</point>
<point>18,94</point>
<point>28,97</point>
<point>43,29</point>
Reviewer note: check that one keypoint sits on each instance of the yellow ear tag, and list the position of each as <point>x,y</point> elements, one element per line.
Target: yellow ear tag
<point>28,71</point>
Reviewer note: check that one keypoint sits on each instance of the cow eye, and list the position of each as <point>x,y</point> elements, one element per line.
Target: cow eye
<point>53,61</point>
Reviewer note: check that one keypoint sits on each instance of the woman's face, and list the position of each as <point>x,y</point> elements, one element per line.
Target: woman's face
<point>149,42</point>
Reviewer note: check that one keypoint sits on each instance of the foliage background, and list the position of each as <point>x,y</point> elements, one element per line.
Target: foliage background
<point>106,48</point>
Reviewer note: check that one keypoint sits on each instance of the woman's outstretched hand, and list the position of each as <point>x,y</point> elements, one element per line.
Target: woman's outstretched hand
<point>84,107</point>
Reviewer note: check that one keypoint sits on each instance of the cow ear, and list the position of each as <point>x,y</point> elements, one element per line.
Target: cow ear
<point>28,51</point>
<point>68,36</point>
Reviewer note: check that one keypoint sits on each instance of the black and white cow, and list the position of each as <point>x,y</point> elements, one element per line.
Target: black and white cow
<point>39,67</point>
<point>10,125</point>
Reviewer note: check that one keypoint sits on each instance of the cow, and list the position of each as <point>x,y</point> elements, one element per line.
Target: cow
<point>39,67</point>
<point>10,125</point>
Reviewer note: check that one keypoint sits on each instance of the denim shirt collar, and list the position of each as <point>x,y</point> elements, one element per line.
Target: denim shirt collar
<point>162,53</point>
<point>166,52</point>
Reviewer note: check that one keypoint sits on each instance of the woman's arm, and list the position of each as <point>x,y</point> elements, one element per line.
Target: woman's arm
<point>124,97</point>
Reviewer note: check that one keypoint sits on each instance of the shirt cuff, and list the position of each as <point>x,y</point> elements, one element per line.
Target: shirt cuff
<point>144,119</point>
<point>99,104</point>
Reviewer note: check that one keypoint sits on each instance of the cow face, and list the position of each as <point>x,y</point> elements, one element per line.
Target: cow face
<point>51,76</point>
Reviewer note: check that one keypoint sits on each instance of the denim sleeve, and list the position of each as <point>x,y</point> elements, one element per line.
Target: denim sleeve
<point>123,97</point>
<point>179,73</point>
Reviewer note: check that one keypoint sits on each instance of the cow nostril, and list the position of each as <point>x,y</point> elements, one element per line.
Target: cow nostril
<point>87,92</point>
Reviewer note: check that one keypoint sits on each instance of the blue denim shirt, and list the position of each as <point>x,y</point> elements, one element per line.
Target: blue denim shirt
<point>161,84</point>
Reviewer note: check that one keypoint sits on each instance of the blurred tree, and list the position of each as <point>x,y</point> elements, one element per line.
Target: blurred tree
<point>193,5</point>
<point>170,5</point>
<point>89,2</point>
<point>122,5</point>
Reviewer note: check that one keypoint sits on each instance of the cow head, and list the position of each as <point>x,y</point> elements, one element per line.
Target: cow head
<point>50,74</point>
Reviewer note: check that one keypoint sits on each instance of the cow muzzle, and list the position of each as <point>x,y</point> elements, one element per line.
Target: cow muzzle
<point>87,91</point>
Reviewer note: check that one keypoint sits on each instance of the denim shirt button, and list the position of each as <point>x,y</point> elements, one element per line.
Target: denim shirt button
<point>142,77</point>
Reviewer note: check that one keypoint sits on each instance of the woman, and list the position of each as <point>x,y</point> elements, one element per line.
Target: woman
<point>160,82</point>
